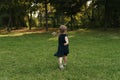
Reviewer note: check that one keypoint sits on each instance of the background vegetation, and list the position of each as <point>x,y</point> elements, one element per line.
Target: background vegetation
<point>15,14</point>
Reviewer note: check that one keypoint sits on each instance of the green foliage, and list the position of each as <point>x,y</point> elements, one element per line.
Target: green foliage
<point>16,10</point>
<point>102,12</point>
<point>99,13</point>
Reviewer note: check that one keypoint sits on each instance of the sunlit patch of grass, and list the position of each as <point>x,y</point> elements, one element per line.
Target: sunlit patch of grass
<point>13,34</point>
<point>53,38</point>
<point>20,32</point>
<point>83,30</point>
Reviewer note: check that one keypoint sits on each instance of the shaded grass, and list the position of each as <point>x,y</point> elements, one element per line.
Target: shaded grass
<point>94,55</point>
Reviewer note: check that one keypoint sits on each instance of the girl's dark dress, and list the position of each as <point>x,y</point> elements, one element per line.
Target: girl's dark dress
<point>63,50</point>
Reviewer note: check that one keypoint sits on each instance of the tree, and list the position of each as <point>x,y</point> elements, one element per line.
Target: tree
<point>16,11</point>
<point>103,12</point>
<point>68,8</point>
<point>45,2</point>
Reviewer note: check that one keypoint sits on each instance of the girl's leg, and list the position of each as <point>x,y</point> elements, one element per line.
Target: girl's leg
<point>65,60</point>
<point>60,62</point>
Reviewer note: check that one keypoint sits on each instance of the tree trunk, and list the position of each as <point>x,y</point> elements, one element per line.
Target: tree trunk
<point>106,15</point>
<point>40,20</point>
<point>87,13</point>
<point>62,19</point>
<point>46,15</point>
<point>92,11</point>
<point>30,20</point>
<point>9,21</point>
<point>92,16</point>
<point>71,22</point>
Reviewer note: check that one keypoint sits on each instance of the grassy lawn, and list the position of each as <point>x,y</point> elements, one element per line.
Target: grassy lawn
<point>94,55</point>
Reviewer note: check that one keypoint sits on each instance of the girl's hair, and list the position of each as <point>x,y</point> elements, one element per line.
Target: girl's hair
<point>63,28</point>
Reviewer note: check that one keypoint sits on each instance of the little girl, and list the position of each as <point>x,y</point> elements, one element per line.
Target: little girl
<point>63,47</point>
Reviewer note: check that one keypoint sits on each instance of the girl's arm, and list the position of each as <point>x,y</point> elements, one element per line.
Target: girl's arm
<point>66,40</point>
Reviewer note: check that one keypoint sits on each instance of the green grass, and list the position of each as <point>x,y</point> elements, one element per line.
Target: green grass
<point>94,55</point>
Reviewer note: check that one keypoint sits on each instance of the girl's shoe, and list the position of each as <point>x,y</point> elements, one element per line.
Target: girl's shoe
<point>61,67</point>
